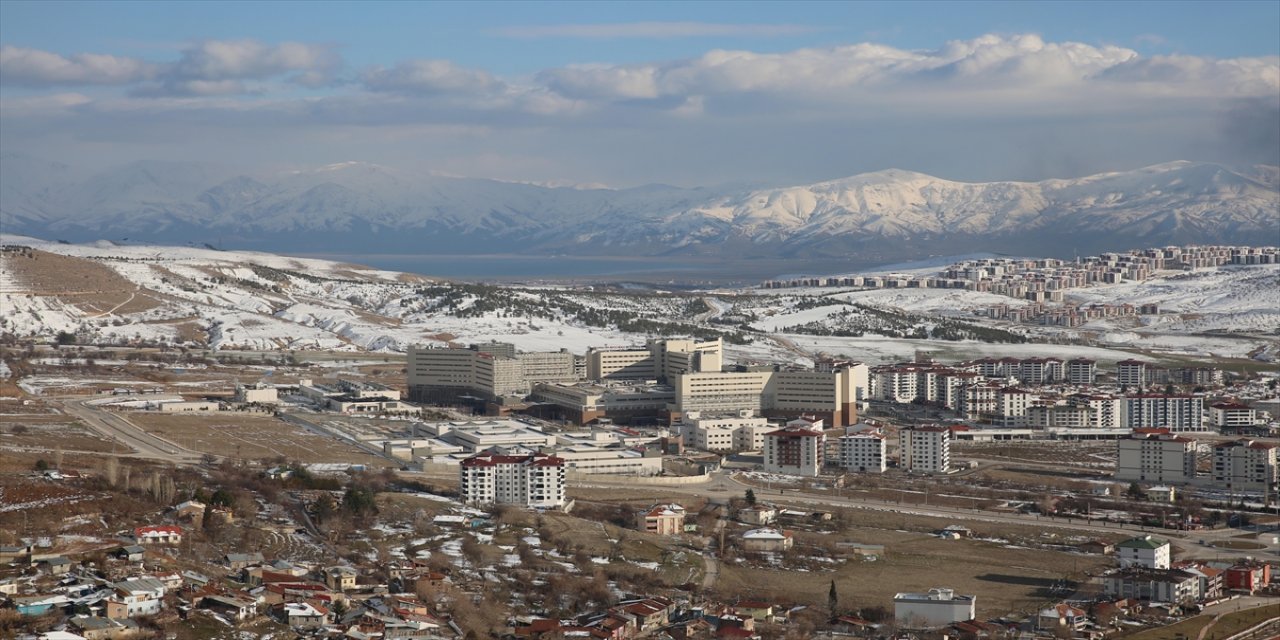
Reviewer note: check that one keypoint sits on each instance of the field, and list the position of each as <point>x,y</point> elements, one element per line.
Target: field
<point>1004,579</point>
<point>251,437</point>
<point>1227,625</point>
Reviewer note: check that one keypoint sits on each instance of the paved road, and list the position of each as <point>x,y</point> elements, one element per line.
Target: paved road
<point>723,487</point>
<point>116,427</point>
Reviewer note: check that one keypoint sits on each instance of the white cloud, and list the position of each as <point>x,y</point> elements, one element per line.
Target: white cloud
<point>428,76</point>
<point>210,67</point>
<point>654,30</point>
<point>36,68</point>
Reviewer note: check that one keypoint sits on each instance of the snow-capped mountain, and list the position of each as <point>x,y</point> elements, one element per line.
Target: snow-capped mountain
<point>367,208</point>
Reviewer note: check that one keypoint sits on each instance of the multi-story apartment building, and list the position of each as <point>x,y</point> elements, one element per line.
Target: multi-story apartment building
<point>533,480</point>
<point>1131,373</point>
<point>1058,416</point>
<point>1011,406</point>
<point>1245,465</point>
<point>1157,456</point>
<point>1232,415</point>
<point>794,450</point>
<point>1144,551</point>
<point>980,399</point>
<point>863,452</point>
<point>925,449</point>
<point>1173,412</point>
<point>1081,371</point>
<point>1105,412</point>
<point>662,519</point>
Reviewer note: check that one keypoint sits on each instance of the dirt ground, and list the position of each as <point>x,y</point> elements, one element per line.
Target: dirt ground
<point>251,437</point>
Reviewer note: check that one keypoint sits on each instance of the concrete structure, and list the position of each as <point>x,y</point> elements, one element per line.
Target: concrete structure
<point>658,360</point>
<point>258,393</point>
<point>1144,551</point>
<point>1081,371</point>
<point>794,450</point>
<point>925,449</point>
<point>1156,457</point>
<point>584,403</point>
<point>863,451</point>
<point>486,371</point>
<point>1245,465</point>
<point>1157,585</point>
<point>724,432</point>
<point>937,608</point>
<point>534,480</point>
<point>1131,373</point>
<point>1173,412</point>
<point>767,540</point>
<point>1232,415</point>
<point>662,519</point>
<point>832,395</point>
<point>195,406</point>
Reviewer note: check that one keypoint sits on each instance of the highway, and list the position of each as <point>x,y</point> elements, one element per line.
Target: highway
<point>116,427</point>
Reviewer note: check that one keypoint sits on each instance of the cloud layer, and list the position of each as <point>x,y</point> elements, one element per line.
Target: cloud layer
<point>612,122</point>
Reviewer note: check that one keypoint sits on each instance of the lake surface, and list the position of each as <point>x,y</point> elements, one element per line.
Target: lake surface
<point>658,270</point>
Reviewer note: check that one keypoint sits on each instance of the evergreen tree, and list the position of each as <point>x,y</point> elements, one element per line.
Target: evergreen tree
<point>750,497</point>
<point>833,599</point>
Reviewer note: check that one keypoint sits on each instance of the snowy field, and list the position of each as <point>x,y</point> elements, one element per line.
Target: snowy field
<point>259,301</point>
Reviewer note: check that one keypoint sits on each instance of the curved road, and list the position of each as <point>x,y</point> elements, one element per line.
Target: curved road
<point>118,428</point>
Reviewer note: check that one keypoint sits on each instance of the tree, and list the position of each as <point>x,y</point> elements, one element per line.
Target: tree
<point>65,338</point>
<point>750,497</point>
<point>1135,491</point>
<point>41,465</point>
<point>833,598</point>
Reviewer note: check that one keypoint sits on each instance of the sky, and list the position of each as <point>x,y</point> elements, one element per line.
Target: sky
<point>633,93</point>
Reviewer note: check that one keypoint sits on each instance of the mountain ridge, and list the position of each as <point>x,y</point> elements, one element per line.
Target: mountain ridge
<point>373,209</point>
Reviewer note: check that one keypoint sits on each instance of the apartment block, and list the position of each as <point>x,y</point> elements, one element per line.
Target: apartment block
<point>863,452</point>
<point>925,449</point>
<point>1245,465</point>
<point>533,480</point>
<point>1156,457</point>
<point>1158,411</point>
<point>794,450</point>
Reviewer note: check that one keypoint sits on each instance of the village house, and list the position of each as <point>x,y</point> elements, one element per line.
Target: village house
<point>759,515</point>
<point>300,615</point>
<point>340,578</point>
<point>1062,616</point>
<point>662,519</point>
<point>766,539</point>
<point>136,597</point>
<point>169,534</point>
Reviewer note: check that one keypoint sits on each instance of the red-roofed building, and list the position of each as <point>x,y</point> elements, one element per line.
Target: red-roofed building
<point>1247,576</point>
<point>158,535</point>
<point>662,519</point>
<point>533,480</point>
<point>794,451</point>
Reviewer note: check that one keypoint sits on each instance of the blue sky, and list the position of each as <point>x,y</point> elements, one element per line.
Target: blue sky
<point>626,93</point>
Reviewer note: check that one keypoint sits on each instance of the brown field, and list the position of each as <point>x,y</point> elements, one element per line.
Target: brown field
<point>1004,579</point>
<point>51,436</point>
<point>1226,626</point>
<point>87,284</point>
<point>251,437</point>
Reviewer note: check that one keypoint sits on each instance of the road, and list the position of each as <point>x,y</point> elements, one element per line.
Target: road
<point>723,486</point>
<point>116,427</point>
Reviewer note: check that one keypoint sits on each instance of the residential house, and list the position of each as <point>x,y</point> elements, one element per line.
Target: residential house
<point>1098,547</point>
<point>340,578</point>
<point>136,597</point>
<point>131,553</point>
<point>1144,551</point>
<point>239,608</point>
<point>158,535</point>
<point>662,519</point>
<point>238,561</point>
<point>300,615</point>
<point>38,605</point>
<point>767,539</point>
<point>91,628</point>
<point>759,514</point>
<point>1062,616</point>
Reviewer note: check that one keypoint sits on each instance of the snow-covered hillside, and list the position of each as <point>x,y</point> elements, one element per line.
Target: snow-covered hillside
<point>227,300</point>
<point>885,215</point>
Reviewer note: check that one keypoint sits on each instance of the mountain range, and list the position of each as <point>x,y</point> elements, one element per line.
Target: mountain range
<point>355,207</point>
